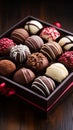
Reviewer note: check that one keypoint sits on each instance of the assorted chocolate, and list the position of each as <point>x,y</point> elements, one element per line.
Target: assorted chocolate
<point>49,33</point>
<point>33,26</point>
<point>37,57</point>
<point>19,53</point>
<point>7,67</point>
<point>19,35</point>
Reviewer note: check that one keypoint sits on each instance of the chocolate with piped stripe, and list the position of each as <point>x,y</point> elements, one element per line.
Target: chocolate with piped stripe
<point>24,76</point>
<point>34,42</point>
<point>51,50</point>
<point>43,85</point>
<point>33,26</point>
<point>19,35</point>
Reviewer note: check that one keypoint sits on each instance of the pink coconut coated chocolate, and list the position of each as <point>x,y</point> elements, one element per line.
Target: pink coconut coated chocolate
<point>5,45</point>
<point>50,33</point>
<point>67,59</point>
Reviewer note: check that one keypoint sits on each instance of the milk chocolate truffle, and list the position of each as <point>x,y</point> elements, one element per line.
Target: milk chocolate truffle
<point>5,45</point>
<point>34,42</point>
<point>51,50</point>
<point>33,26</point>
<point>37,62</point>
<point>57,71</point>
<point>43,85</point>
<point>50,33</point>
<point>24,76</point>
<point>67,59</point>
<point>7,67</point>
<point>66,42</point>
<point>19,35</point>
<point>19,53</point>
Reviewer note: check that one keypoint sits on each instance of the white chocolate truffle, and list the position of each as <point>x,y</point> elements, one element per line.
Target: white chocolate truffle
<point>57,72</point>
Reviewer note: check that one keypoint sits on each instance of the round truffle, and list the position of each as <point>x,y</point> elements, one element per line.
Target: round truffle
<point>43,85</point>
<point>67,59</point>
<point>57,71</point>
<point>37,62</point>
<point>19,35</point>
<point>5,46</point>
<point>24,76</point>
<point>19,53</point>
<point>33,26</point>
<point>34,42</point>
<point>51,50</point>
<point>66,42</point>
<point>50,33</point>
<point>7,67</point>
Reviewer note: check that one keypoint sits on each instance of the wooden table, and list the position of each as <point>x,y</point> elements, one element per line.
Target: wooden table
<point>15,115</point>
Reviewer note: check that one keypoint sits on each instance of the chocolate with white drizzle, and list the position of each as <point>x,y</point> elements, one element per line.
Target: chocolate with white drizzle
<point>66,43</point>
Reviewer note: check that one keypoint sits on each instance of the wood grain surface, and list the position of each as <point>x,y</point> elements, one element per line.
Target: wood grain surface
<point>15,115</point>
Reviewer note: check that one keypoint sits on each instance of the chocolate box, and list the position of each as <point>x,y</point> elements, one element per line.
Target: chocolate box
<point>10,88</point>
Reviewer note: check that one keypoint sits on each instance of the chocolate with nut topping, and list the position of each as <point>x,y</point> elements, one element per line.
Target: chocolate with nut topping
<point>37,61</point>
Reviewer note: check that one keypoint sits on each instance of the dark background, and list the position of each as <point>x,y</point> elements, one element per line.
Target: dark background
<point>15,115</point>
<point>48,10</point>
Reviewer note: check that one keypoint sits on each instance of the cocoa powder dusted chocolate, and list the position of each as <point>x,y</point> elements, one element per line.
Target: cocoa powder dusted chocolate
<point>7,67</point>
